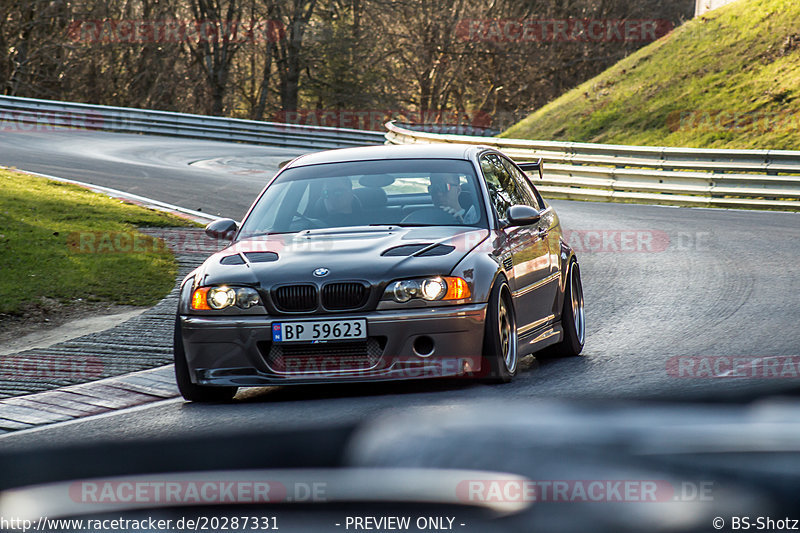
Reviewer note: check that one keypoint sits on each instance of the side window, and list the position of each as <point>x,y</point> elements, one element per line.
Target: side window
<point>505,190</point>
<point>522,184</point>
<point>496,175</point>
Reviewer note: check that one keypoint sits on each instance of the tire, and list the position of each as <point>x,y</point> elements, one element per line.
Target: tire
<point>191,391</point>
<point>500,335</point>
<point>573,318</point>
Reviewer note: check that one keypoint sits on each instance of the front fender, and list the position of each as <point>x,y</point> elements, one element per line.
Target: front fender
<point>185,294</point>
<point>481,267</point>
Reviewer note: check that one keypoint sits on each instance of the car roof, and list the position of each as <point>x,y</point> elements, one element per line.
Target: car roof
<point>389,151</point>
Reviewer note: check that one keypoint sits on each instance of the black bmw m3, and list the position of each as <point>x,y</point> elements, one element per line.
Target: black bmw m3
<point>381,263</point>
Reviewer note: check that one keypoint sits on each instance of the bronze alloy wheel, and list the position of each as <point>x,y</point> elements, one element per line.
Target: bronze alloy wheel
<point>507,331</point>
<point>500,337</point>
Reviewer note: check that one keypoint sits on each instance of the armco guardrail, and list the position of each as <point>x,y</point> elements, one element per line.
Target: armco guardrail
<point>32,114</point>
<point>756,179</point>
<point>449,129</point>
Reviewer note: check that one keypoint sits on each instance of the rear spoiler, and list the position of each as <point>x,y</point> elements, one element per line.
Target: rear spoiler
<point>531,166</point>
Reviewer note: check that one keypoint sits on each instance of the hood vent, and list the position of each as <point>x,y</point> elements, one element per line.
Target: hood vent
<point>405,250</point>
<point>235,259</point>
<point>261,257</point>
<point>425,249</point>
<point>439,249</point>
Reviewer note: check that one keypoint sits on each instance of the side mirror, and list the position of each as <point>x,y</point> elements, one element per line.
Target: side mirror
<point>224,228</point>
<point>522,215</point>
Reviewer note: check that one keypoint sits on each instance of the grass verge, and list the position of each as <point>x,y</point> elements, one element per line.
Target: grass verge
<point>40,223</point>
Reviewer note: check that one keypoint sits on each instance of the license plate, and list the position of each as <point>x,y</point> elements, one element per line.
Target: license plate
<point>321,330</point>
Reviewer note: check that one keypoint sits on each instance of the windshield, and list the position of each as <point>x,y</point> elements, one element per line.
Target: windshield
<point>419,192</point>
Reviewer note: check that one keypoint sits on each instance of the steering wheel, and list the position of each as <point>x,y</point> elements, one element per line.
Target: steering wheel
<point>433,216</point>
<point>311,223</point>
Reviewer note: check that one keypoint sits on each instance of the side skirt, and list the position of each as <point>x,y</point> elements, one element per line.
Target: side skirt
<point>539,338</point>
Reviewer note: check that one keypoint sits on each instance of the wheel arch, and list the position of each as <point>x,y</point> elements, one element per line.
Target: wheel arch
<point>566,257</point>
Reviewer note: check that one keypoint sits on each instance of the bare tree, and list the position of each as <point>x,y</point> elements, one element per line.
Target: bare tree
<point>296,15</point>
<point>215,48</point>
<point>325,54</point>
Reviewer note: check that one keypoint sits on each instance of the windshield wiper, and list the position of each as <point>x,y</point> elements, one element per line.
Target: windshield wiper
<point>405,225</point>
<point>268,233</point>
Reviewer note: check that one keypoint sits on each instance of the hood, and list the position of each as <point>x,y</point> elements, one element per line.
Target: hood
<point>373,254</point>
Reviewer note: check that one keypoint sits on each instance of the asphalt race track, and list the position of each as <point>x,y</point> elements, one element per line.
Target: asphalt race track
<point>660,284</point>
<point>197,175</point>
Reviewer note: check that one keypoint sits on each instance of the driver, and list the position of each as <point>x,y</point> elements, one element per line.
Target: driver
<point>338,196</point>
<point>445,191</point>
<point>337,205</point>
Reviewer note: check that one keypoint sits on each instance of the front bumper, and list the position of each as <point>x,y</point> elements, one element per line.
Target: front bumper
<point>235,350</point>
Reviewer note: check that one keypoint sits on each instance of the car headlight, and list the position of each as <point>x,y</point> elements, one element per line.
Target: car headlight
<point>216,298</point>
<point>430,289</point>
<point>433,289</point>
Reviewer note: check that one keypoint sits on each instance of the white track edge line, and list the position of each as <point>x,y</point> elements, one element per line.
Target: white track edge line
<point>122,194</point>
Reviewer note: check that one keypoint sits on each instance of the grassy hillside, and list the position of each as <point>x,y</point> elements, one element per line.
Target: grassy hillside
<point>728,79</point>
